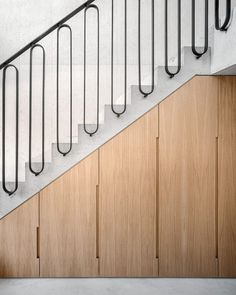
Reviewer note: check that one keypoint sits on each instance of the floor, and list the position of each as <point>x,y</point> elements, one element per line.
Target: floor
<point>118,286</point>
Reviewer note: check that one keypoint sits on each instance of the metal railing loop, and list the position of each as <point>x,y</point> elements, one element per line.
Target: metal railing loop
<point>226,23</point>
<point>36,173</point>
<point>92,6</point>
<point>168,71</point>
<point>8,191</point>
<point>64,153</point>
<point>194,49</point>
<point>146,93</point>
<point>112,60</point>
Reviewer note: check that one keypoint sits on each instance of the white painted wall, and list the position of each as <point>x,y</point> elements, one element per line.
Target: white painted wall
<point>23,20</point>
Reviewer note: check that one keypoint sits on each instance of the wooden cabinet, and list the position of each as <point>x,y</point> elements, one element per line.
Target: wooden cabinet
<point>18,242</point>
<point>157,199</point>
<point>227,177</point>
<point>128,201</point>
<point>68,223</point>
<point>187,181</point>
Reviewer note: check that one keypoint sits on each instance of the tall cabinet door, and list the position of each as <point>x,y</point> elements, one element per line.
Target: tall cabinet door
<point>187,182</point>
<point>227,177</point>
<point>68,223</point>
<point>18,242</point>
<point>128,201</point>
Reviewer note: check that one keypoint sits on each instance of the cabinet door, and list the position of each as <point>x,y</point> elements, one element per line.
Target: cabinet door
<point>128,201</point>
<point>18,241</point>
<point>68,223</point>
<point>187,183</point>
<point>227,177</point>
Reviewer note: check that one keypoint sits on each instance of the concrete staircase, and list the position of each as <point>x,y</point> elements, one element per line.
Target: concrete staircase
<point>112,126</point>
<point>83,145</point>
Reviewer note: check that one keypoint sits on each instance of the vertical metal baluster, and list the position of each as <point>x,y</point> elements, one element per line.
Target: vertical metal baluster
<point>225,25</point>
<point>139,50</point>
<point>36,173</point>
<point>8,191</point>
<point>92,6</point>
<point>112,61</point>
<point>194,50</point>
<point>64,153</point>
<point>172,74</point>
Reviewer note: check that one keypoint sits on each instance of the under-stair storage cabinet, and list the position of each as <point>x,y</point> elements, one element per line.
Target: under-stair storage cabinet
<point>227,177</point>
<point>158,199</point>
<point>18,242</point>
<point>68,228</point>
<point>127,195</point>
<point>187,180</point>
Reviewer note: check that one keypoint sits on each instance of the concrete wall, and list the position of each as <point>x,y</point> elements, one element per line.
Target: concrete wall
<point>22,20</point>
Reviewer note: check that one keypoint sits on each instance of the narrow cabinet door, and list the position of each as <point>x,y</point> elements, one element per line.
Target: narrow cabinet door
<point>18,242</point>
<point>187,183</point>
<point>68,223</point>
<point>128,201</point>
<point>227,177</point>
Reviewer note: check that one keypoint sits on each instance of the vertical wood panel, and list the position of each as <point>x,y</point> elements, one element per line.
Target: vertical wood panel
<point>188,130</point>
<point>128,201</point>
<point>18,245</point>
<point>68,223</point>
<point>227,177</point>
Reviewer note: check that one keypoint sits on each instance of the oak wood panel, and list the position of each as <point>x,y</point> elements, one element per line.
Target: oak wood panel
<point>68,223</point>
<point>227,177</point>
<point>128,201</point>
<point>187,180</point>
<point>18,244</point>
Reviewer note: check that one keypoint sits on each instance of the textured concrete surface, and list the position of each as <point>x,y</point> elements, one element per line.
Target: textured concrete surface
<point>86,145</point>
<point>118,287</point>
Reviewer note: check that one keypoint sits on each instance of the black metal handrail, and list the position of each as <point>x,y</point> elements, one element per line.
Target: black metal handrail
<point>64,153</point>
<point>118,113</point>
<point>46,33</point>
<point>7,64</point>
<point>194,49</point>
<point>8,191</point>
<point>146,93</point>
<point>62,24</point>
<point>36,173</point>
<point>226,23</point>
<point>92,6</point>
<point>168,71</point>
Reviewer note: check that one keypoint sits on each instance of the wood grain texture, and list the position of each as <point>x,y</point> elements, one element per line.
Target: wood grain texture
<point>18,245</point>
<point>227,177</point>
<point>68,223</point>
<point>128,201</point>
<point>187,194</point>
<point>146,197</point>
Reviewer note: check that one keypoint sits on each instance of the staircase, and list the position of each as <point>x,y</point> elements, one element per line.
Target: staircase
<point>86,117</point>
